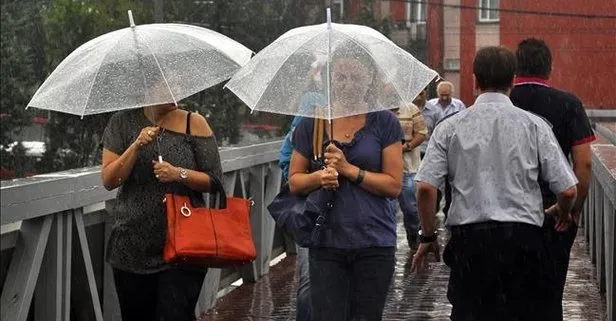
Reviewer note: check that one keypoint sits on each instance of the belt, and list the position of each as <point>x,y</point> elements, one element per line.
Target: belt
<point>491,225</point>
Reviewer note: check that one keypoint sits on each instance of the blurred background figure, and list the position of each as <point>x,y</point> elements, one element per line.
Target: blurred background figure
<point>415,133</point>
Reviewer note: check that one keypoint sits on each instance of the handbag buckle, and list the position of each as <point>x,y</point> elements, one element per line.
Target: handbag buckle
<point>185,210</point>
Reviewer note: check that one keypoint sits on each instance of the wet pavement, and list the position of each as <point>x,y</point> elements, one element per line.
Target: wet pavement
<point>411,297</point>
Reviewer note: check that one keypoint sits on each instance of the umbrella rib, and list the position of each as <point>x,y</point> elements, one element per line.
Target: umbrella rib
<point>285,60</point>
<point>162,73</point>
<point>85,106</point>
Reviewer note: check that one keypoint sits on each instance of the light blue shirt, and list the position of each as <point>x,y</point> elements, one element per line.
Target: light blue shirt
<point>433,113</point>
<point>492,154</point>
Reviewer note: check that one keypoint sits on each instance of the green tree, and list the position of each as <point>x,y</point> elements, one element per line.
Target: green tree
<point>21,64</point>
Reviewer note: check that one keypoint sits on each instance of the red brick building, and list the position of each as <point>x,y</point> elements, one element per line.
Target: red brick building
<point>451,31</point>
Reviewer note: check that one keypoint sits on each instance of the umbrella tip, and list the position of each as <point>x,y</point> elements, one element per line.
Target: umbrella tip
<point>130,18</point>
<point>329,18</point>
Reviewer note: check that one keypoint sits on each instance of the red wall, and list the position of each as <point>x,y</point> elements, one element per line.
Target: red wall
<point>583,50</point>
<point>397,10</point>
<point>435,34</point>
<point>468,19</point>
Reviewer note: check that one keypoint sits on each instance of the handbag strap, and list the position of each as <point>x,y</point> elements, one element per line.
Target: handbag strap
<point>188,123</point>
<point>215,184</point>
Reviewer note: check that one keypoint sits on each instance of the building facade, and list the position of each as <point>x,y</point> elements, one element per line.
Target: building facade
<point>446,34</point>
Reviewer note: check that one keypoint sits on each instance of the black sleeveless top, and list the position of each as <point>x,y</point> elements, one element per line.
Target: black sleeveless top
<point>138,219</point>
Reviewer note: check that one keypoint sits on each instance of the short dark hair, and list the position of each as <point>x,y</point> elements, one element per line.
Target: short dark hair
<point>534,58</point>
<point>494,68</point>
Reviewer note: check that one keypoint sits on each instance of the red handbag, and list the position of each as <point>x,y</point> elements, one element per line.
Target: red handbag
<point>207,236</point>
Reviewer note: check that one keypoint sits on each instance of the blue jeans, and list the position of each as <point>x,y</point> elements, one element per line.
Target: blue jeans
<point>408,204</point>
<point>350,285</point>
<point>304,303</point>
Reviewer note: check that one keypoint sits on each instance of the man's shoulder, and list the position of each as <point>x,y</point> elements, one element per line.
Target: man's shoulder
<point>430,104</point>
<point>450,119</point>
<point>555,95</point>
<point>568,96</point>
<point>536,118</point>
<point>408,110</point>
<point>458,102</point>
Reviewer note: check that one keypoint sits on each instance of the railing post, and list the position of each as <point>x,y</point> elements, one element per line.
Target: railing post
<point>87,259</point>
<point>111,305</point>
<point>599,244</point>
<point>36,203</point>
<point>609,210</point>
<point>272,187</point>
<point>259,219</point>
<point>53,290</point>
<point>24,270</point>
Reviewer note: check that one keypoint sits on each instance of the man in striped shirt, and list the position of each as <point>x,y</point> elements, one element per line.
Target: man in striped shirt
<point>415,133</point>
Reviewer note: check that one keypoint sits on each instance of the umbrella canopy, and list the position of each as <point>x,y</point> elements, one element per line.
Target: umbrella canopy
<point>363,71</point>
<point>140,66</point>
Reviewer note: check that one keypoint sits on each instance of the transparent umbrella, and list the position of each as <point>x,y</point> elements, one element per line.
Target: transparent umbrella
<point>363,71</point>
<point>140,66</point>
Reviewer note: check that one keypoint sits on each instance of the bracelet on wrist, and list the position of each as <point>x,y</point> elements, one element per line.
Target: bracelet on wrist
<point>427,238</point>
<point>360,177</point>
<point>183,173</point>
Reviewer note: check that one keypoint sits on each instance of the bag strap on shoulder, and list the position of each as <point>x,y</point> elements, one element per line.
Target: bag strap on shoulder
<point>218,186</point>
<point>188,123</point>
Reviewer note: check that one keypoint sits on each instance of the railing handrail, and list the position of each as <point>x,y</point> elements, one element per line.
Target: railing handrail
<point>605,132</point>
<point>27,198</point>
<point>600,171</point>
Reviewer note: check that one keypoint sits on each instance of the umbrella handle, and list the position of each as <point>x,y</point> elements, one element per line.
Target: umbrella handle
<point>130,18</point>
<point>329,18</point>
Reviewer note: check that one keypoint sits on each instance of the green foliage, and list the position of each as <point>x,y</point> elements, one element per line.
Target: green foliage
<point>21,64</point>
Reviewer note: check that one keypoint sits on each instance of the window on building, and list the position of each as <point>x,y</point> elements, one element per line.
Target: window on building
<point>337,10</point>
<point>416,12</point>
<point>488,10</point>
<point>452,64</point>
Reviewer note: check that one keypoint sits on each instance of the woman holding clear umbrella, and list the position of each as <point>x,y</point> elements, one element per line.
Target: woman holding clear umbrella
<point>351,270</point>
<point>147,287</point>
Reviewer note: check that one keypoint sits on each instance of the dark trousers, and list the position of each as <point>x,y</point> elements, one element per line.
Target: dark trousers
<point>170,295</point>
<point>499,271</point>
<point>559,246</point>
<point>350,284</point>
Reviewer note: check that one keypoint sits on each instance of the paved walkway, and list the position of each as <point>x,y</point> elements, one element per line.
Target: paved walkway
<point>412,297</point>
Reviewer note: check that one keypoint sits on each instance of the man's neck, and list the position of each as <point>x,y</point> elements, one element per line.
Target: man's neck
<point>537,80</point>
<point>506,93</point>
